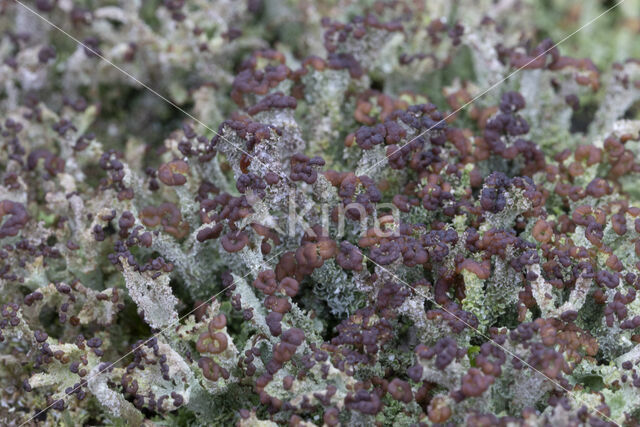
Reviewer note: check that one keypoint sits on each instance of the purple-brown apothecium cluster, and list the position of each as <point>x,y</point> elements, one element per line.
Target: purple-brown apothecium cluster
<point>308,213</point>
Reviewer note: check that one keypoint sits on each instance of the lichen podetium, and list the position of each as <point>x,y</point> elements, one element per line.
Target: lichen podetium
<point>283,212</point>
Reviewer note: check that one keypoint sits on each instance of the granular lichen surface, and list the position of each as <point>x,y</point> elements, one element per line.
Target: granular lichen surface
<point>326,213</point>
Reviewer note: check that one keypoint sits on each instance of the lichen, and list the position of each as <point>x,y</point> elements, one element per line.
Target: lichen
<point>319,213</point>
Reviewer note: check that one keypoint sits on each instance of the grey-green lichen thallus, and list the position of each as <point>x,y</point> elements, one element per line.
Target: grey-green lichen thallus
<point>391,213</point>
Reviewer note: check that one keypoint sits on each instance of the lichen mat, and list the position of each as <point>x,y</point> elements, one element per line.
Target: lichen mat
<point>320,213</point>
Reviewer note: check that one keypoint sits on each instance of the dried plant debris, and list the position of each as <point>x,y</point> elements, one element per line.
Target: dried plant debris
<point>313,213</point>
